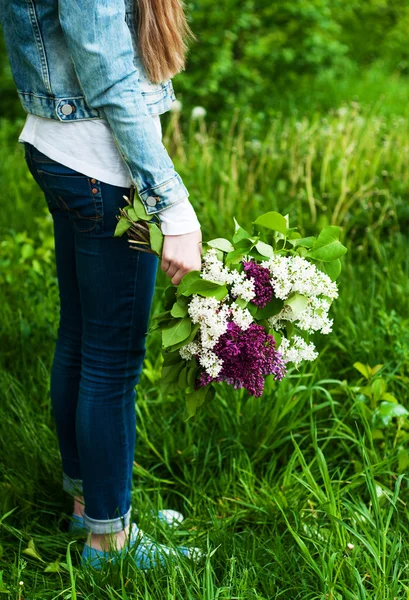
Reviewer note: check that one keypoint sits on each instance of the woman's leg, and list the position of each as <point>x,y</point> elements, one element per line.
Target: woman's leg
<point>66,366</point>
<point>115,287</point>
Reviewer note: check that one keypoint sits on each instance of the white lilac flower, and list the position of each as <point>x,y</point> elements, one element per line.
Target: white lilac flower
<point>281,282</point>
<point>186,352</point>
<point>243,287</point>
<point>295,274</point>
<point>315,316</point>
<point>198,112</point>
<point>212,316</point>
<point>214,270</point>
<point>241,316</point>
<point>211,363</point>
<point>296,350</point>
<point>278,321</point>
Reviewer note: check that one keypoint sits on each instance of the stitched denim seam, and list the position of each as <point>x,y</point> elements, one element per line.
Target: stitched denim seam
<point>40,45</point>
<point>135,283</point>
<point>98,214</point>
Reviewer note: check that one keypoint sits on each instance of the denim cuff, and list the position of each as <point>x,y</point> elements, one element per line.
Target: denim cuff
<point>108,525</point>
<point>72,486</point>
<point>164,195</point>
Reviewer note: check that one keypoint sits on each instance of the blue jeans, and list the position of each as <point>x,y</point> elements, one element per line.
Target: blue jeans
<point>106,291</point>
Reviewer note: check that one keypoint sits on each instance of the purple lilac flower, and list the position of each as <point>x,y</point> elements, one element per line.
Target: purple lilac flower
<point>248,356</point>
<point>262,282</point>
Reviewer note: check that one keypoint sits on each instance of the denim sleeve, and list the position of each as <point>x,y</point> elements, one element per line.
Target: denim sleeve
<point>100,45</point>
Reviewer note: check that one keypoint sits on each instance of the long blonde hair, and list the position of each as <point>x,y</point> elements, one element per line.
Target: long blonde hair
<point>162,35</point>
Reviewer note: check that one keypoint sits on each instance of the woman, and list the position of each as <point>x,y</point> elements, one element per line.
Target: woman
<point>94,77</point>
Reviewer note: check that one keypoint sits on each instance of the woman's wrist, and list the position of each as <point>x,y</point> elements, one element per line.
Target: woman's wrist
<point>179,219</point>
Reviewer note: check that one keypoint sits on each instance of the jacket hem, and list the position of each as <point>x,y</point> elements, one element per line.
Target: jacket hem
<point>73,108</point>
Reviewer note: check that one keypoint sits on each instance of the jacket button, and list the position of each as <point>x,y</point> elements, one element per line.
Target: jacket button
<point>151,201</point>
<point>93,180</point>
<point>94,191</point>
<point>67,109</point>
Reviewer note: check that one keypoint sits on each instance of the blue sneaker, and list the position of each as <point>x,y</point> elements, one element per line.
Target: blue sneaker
<point>167,516</point>
<point>146,552</point>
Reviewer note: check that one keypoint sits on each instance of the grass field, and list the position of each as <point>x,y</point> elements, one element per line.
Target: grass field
<point>300,494</point>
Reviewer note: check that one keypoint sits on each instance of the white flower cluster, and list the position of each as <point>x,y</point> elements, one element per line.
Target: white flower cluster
<point>213,316</point>
<point>214,270</point>
<point>295,275</point>
<point>296,350</point>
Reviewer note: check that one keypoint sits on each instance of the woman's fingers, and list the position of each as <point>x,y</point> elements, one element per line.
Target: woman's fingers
<point>181,254</point>
<point>165,264</point>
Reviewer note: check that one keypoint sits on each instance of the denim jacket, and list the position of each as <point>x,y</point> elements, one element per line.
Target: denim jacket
<point>78,59</point>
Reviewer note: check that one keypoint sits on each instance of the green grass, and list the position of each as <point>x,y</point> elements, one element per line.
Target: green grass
<point>300,494</point>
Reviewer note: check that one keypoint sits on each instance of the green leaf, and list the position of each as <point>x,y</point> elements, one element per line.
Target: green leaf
<point>187,280</point>
<point>221,244</point>
<point>140,211</point>
<point>387,396</point>
<point>171,372</point>
<point>297,303</point>
<point>327,246</point>
<point>179,309</point>
<point>332,269</point>
<point>53,567</point>
<point>378,388</point>
<point>132,214</point>
<point>386,411</point>
<point>306,242</point>
<point>170,358</point>
<point>191,376</point>
<point>163,316</point>
<point>155,238</point>
<point>277,336</point>
<point>122,226</point>
<point>272,220</point>
<point>240,234</point>
<point>241,302</point>
<point>31,551</point>
<point>167,387</point>
<point>177,332</point>
<point>194,400</point>
<point>403,461</point>
<point>265,249</point>
<point>235,256</point>
<point>218,293</point>
<point>182,379</point>
<point>236,225</point>
<point>363,369</point>
<point>270,309</point>
<point>203,285</point>
<point>169,296</point>
<point>190,338</point>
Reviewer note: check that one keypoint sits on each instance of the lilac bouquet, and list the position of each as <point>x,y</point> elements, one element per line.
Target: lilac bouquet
<point>250,311</point>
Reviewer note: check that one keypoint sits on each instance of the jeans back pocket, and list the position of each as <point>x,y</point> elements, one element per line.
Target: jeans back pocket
<point>76,194</point>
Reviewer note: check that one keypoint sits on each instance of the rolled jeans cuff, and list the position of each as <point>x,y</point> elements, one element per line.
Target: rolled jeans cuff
<point>72,486</point>
<point>109,525</point>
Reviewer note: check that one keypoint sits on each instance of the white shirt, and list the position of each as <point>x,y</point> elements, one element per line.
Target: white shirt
<point>88,147</point>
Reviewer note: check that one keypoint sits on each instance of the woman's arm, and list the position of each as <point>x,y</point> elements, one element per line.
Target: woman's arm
<point>101,49</point>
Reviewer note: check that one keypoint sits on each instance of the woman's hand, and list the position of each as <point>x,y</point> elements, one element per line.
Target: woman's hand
<point>181,254</point>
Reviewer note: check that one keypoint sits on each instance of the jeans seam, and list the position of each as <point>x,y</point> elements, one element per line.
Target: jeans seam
<point>129,344</point>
